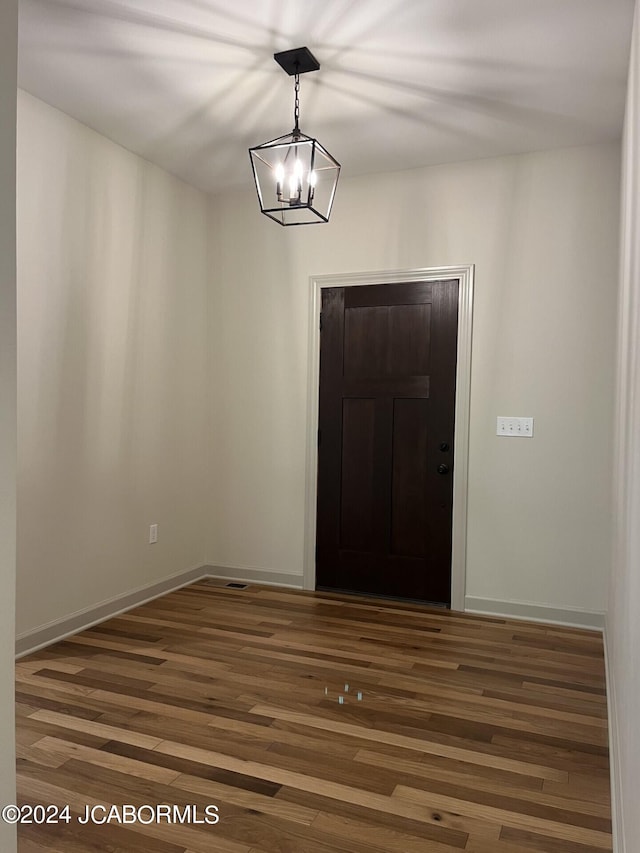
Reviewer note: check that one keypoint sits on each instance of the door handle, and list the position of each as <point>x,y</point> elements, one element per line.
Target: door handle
<point>443,469</point>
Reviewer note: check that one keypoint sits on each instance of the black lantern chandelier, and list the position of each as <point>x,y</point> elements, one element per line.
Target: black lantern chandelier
<point>295,175</point>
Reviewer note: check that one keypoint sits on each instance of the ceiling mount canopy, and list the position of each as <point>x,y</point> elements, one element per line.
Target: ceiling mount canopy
<point>295,175</point>
<point>297,61</point>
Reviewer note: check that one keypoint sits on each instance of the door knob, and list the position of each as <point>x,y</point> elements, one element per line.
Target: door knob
<point>443,469</point>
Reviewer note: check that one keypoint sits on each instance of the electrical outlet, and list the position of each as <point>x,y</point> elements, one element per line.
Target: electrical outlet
<point>520,427</point>
<point>153,534</point>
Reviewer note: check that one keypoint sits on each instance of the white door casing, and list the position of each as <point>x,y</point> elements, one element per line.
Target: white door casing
<point>465,275</point>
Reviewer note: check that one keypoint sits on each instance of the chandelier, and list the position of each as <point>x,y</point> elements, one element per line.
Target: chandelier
<point>295,175</point>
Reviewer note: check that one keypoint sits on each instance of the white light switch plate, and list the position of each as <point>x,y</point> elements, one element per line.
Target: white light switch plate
<point>522,427</point>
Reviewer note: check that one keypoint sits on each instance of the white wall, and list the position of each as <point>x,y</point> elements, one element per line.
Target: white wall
<point>623,617</point>
<point>8,54</point>
<point>542,232</point>
<point>112,272</point>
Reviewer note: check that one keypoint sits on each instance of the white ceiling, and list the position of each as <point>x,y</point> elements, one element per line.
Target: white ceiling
<point>191,84</point>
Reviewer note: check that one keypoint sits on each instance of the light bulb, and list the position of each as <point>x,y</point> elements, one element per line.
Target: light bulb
<point>312,179</point>
<point>279,179</point>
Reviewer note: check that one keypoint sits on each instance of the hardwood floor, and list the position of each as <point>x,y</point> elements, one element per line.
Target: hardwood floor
<point>477,734</point>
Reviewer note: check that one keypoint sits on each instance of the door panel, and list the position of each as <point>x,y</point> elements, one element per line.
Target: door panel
<point>358,421</point>
<point>409,504</point>
<point>387,396</point>
<point>365,339</point>
<point>387,341</point>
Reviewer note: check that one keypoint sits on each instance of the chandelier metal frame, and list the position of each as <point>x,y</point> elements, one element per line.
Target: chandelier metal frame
<point>295,176</point>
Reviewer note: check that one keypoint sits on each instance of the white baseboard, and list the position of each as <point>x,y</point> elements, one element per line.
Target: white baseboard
<point>31,641</point>
<point>263,576</point>
<point>619,845</point>
<point>570,616</point>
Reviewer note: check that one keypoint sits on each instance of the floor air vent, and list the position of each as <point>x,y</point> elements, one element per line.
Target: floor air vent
<point>237,585</point>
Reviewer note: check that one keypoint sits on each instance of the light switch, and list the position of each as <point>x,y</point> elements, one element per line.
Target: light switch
<point>521,427</point>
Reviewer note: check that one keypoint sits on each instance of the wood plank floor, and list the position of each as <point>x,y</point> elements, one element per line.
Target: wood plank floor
<point>477,734</point>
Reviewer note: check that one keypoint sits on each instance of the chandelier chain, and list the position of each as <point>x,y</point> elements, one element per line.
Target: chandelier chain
<point>296,108</point>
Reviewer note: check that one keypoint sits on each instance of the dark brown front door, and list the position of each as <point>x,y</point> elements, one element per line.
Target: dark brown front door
<point>385,454</point>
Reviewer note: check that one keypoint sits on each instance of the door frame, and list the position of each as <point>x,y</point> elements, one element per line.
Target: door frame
<point>465,276</point>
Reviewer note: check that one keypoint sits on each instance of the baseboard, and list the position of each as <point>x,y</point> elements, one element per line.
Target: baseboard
<point>262,576</point>
<point>619,845</point>
<point>59,629</point>
<point>570,616</point>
